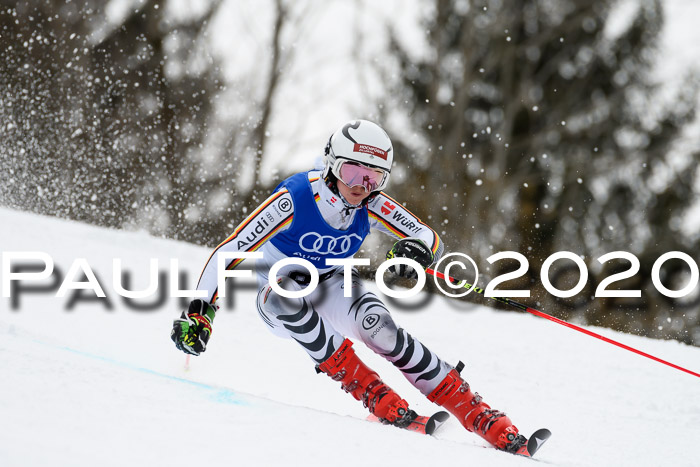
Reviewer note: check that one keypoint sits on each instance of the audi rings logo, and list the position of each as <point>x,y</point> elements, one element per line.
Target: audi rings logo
<point>313,242</point>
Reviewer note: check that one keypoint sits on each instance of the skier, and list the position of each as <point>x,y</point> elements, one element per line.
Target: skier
<point>326,214</point>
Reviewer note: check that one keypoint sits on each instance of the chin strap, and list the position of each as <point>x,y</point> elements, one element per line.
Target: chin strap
<point>349,207</point>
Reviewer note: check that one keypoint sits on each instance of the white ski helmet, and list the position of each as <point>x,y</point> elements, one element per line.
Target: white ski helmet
<point>360,142</point>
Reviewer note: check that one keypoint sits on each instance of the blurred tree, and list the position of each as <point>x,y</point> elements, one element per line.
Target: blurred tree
<point>539,128</point>
<point>242,146</point>
<point>156,82</point>
<point>44,122</point>
<point>116,117</point>
<point>107,116</point>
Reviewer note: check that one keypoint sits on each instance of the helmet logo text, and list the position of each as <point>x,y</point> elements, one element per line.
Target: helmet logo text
<point>371,150</point>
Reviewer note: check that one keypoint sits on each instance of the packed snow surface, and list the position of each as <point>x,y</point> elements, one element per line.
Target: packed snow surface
<point>90,386</point>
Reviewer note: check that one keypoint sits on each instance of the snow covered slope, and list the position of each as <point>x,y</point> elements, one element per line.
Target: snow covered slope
<point>92,386</point>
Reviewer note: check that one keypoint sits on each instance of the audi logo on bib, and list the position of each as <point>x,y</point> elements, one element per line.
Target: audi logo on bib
<point>313,242</point>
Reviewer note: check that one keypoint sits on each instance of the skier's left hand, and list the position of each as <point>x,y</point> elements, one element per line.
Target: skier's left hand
<point>414,249</point>
<point>192,330</point>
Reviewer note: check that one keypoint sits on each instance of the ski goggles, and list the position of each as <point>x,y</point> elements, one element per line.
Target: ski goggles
<point>355,174</point>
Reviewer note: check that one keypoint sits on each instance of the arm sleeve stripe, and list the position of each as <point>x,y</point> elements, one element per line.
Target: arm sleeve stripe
<point>390,227</point>
<point>436,241</point>
<point>238,261</point>
<point>284,223</point>
<point>243,224</point>
<point>250,218</point>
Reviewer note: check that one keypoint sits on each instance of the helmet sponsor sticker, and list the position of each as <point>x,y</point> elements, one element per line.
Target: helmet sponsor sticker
<point>371,150</point>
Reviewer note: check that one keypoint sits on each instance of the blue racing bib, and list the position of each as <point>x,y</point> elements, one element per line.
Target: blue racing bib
<point>309,236</point>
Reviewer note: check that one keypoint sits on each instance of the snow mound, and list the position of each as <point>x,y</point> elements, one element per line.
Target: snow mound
<point>97,385</point>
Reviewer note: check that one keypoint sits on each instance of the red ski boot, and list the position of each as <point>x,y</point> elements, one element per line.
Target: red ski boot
<point>453,393</point>
<point>364,384</point>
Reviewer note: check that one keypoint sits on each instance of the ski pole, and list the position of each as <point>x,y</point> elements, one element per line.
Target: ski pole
<point>535,312</point>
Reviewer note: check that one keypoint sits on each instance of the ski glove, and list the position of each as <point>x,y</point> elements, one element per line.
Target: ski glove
<point>192,330</point>
<point>414,249</point>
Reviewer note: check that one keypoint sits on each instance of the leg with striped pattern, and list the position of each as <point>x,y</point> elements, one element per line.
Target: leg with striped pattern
<point>377,329</point>
<point>436,379</point>
<point>334,355</point>
<point>297,318</point>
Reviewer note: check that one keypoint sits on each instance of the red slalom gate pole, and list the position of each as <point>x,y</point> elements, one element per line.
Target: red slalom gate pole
<point>535,312</point>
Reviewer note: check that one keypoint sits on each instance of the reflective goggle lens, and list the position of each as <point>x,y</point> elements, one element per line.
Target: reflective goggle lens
<point>359,175</point>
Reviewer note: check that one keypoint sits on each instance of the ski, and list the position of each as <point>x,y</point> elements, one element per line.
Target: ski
<point>534,443</point>
<point>421,424</point>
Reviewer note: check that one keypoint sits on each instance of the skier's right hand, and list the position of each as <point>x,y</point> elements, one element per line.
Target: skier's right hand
<point>412,248</point>
<point>192,330</point>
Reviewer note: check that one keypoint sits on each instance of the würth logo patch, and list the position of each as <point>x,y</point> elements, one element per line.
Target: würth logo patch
<point>371,150</point>
<point>387,208</point>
